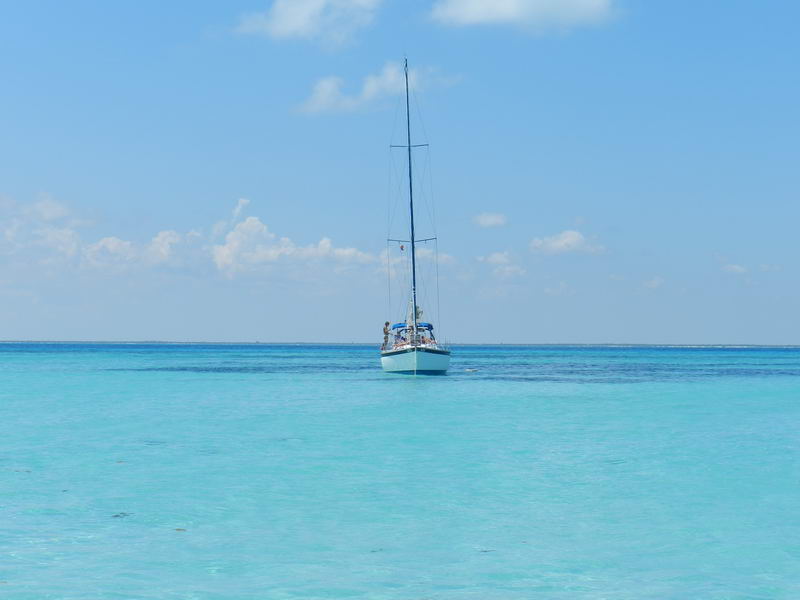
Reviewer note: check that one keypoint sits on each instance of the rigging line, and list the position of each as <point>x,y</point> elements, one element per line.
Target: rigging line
<point>389,282</point>
<point>389,197</point>
<point>398,168</point>
<point>429,198</point>
<point>392,196</point>
<point>419,115</point>
<point>394,121</point>
<point>411,207</point>
<point>392,199</point>
<point>421,191</point>
<point>395,193</point>
<point>432,196</point>
<point>403,284</point>
<point>395,196</point>
<point>395,268</point>
<point>432,210</point>
<point>424,171</point>
<point>424,197</point>
<point>438,298</point>
<point>392,167</point>
<point>415,102</point>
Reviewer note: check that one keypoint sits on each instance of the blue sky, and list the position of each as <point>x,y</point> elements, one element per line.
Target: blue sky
<point>602,170</point>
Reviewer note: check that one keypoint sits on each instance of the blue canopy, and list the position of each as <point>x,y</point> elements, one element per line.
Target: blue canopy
<point>419,325</point>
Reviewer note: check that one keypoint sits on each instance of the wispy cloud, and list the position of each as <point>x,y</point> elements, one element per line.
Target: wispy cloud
<point>565,242</point>
<point>430,255</point>
<point>331,21</point>
<point>537,14</point>
<point>241,204</point>
<point>769,268</point>
<point>33,234</point>
<point>490,220</point>
<point>503,265</point>
<point>733,268</point>
<point>654,283</point>
<point>42,231</point>
<point>508,271</point>
<point>562,288</point>
<point>328,93</point>
<point>64,241</point>
<point>110,251</point>
<point>496,258</point>
<point>49,210</point>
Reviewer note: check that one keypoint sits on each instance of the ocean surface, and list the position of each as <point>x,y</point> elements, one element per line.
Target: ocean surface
<point>200,472</point>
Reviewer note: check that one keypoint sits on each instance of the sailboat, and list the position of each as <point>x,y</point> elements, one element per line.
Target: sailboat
<point>411,346</point>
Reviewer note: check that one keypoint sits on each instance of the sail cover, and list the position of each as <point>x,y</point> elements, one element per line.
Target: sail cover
<point>419,326</point>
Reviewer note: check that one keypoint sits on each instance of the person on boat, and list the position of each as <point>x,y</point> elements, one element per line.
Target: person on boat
<point>399,340</point>
<point>386,332</point>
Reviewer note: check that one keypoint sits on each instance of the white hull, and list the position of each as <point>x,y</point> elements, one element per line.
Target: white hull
<point>417,360</point>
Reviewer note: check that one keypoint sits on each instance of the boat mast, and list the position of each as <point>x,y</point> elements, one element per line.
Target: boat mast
<point>411,209</point>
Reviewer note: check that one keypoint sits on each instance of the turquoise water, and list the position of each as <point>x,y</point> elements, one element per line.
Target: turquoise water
<point>304,472</point>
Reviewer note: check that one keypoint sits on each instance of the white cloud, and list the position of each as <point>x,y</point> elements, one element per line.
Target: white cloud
<point>240,206</point>
<point>739,269</point>
<point>560,289</point>
<point>327,94</point>
<point>769,268</point>
<point>65,241</point>
<point>496,258</point>
<point>48,209</point>
<point>397,264</point>
<point>109,251</point>
<point>240,243</point>
<point>430,255</point>
<point>333,21</point>
<point>528,13</point>
<point>251,244</point>
<point>490,219</point>
<point>160,248</point>
<point>219,228</point>
<point>325,249</point>
<point>654,283</point>
<point>27,239</point>
<point>564,242</point>
<point>508,271</point>
<point>36,233</point>
<point>503,266</point>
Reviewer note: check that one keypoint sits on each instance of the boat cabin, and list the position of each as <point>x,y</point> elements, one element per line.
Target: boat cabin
<point>403,335</point>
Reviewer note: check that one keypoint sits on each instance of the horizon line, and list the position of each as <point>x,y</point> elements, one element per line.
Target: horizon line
<point>295,343</point>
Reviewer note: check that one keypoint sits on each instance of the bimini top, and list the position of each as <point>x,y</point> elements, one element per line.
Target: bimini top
<point>419,326</point>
